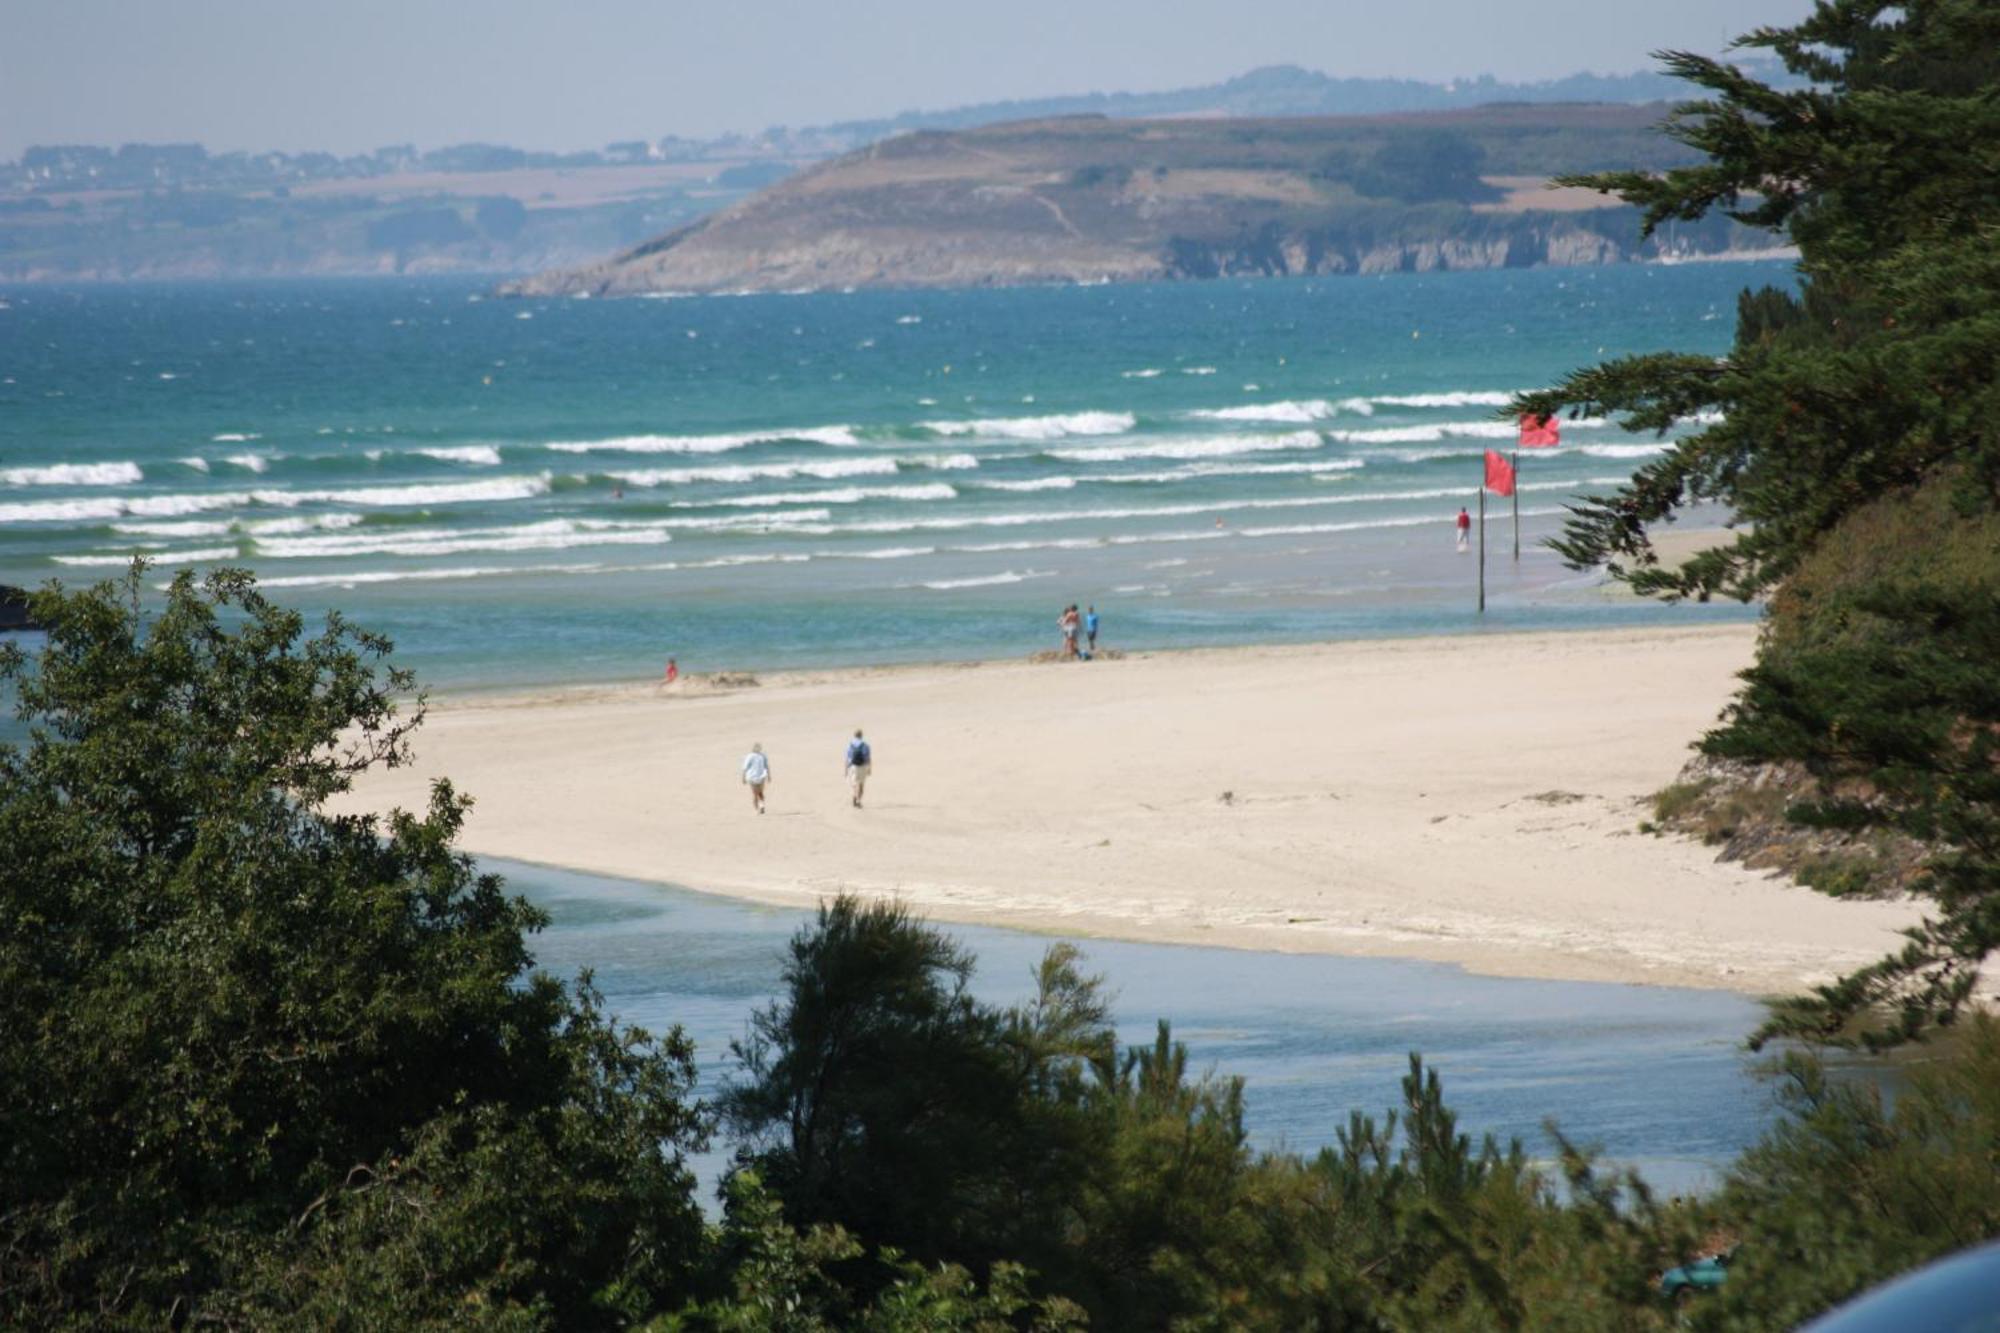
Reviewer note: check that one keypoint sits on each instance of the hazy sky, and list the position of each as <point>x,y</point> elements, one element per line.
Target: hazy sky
<point>350,75</point>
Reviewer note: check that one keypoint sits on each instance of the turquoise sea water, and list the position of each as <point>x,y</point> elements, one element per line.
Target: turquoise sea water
<point>556,491</point>
<point>541,491</point>
<point>1655,1077</point>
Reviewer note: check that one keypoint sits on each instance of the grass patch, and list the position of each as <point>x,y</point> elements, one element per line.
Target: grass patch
<point>1673,802</point>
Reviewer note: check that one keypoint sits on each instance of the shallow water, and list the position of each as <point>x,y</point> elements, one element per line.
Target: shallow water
<point>526,492</point>
<point>1655,1076</point>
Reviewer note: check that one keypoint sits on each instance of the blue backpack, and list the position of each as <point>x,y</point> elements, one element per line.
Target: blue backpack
<point>860,757</point>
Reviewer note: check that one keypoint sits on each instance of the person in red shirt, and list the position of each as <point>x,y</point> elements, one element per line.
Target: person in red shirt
<point>673,672</point>
<point>1464,527</point>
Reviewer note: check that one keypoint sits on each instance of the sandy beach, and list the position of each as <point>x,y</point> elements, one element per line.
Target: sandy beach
<point>1471,799</point>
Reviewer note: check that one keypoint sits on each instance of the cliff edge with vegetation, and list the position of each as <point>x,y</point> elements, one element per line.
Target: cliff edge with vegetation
<point>1086,199</point>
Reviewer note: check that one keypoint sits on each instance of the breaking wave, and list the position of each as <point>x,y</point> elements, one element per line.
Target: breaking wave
<point>1038,428</point>
<point>72,474</point>
<point>708,444</point>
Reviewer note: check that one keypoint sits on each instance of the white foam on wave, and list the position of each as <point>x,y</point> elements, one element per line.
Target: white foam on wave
<point>157,557</point>
<point>483,454</point>
<point>1623,450</point>
<point>356,578</point>
<point>708,444</point>
<point>1362,525</point>
<point>1451,398</point>
<point>1058,427</point>
<point>1197,370</point>
<point>72,474</point>
<point>1038,484</point>
<point>456,492</point>
<point>235,437</point>
<point>879,553</point>
<point>844,495</point>
<point>1094,515</point>
<point>1053,544</point>
<point>802,520</point>
<point>1296,412</point>
<point>192,528</point>
<point>1219,446</point>
<point>1430,434</point>
<point>1192,471</point>
<point>119,506</point>
<point>1435,431</point>
<point>988,580</point>
<point>549,535</point>
<point>279,527</point>
<point>198,464</point>
<point>248,462</point>
<point>1150,372</point>
<point>830,469</point>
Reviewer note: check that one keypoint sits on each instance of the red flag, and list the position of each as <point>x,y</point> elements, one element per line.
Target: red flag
<point>1499,473</point>
<point>1539,432</point>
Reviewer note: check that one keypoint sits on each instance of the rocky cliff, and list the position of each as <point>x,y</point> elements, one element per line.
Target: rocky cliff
<point>1088,200</point>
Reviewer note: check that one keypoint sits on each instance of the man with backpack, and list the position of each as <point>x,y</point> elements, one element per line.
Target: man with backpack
<point>859,763</point>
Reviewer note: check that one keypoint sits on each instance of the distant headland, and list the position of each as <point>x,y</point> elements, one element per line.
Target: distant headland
<point>82,212</point>
<point>1092,199</point>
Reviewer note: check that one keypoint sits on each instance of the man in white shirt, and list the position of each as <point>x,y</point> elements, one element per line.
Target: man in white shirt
<point>756,772</point>
<point>860,763</point>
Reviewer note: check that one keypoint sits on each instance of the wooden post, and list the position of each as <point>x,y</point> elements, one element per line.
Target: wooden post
<point>1482,547</point>
<point>1514,461</point>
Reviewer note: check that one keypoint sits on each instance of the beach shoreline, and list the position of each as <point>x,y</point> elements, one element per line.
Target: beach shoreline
<point>1470,799</point>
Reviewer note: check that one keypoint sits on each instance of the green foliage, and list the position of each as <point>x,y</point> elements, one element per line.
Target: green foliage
<point>877,1095</point>
<point>262,1066</point>
<point>1866,407</point>
<point>780,1283</point>
<point>263,1063</point>
<point>1853,1185</point>
<point>1425,165</point>
<point>1677,799</point>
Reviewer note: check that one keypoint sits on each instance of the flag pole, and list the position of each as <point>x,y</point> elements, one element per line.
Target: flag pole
<point>1514,461</point>
<point>1482,548</point>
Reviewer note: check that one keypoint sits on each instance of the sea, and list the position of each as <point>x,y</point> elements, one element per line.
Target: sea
<point>537,493</point>
<point>531,492</point>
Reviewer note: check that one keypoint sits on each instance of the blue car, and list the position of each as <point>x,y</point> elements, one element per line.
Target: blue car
<point>1680,1284</point>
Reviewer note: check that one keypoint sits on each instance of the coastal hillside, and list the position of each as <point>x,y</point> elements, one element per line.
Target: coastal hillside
<point>1088,199</point>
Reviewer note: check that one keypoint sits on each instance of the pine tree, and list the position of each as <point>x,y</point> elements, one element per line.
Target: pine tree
<point>1876,384</point>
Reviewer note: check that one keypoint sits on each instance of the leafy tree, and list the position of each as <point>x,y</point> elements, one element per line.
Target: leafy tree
<point>264,1064</point>
<point>1877,383</point>
<point>877,1093</point>
<point>780,1282</point>
<point>502,217</point>
<point>1421,166</point>
<point>879,1096</point>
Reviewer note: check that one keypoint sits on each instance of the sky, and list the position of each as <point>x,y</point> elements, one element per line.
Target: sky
<point>352,75</point>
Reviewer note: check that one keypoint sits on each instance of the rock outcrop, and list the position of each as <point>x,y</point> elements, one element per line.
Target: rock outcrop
<point>1090,200</point>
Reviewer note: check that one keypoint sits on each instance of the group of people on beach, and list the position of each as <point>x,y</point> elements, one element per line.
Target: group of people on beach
<point>856,766</point>
<point>1071,623</point>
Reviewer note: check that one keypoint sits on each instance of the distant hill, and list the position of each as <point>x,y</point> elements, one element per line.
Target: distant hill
<point>1093,199</point>
<point>177,211</point>
<point>1289,90</point>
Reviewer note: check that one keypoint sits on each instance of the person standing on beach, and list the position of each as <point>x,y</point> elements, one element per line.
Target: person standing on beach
<point>1067,622</point>
<point>1464,527</point>
<point>673,672</point>
<point>860,763</point>
<point>1090,629</point>
<point>756,773</point>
